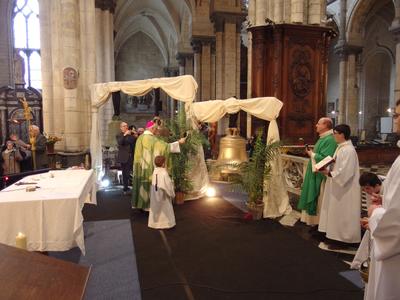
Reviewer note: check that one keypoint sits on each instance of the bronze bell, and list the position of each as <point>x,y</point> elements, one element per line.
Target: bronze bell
<point>232,152</point>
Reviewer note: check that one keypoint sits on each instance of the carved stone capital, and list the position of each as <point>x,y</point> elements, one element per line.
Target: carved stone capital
<point>182,56</point>
<point>343,50</point>
<point>198,42</point>
<point>106,5</point>
<point>171,71</point>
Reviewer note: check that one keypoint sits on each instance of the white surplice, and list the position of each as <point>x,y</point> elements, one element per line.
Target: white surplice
<point>341,205</point>
<point>161,215</point>
<point>384,223</point>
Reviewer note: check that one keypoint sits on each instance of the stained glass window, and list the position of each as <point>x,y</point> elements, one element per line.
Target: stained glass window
<point>27,39</point>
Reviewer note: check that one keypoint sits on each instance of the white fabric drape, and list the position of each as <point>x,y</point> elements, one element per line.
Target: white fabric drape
<point>266,108</point>
<point>182,88</point>
<point>276,199</point>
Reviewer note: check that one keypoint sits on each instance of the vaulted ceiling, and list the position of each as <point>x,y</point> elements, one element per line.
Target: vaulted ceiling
<point>166,22</point>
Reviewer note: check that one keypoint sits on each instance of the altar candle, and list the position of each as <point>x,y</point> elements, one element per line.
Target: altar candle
<point>20,241</point>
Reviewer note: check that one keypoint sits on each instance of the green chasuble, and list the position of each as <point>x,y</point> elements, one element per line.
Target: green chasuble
<point>325,146</point>
<point>147,148</point>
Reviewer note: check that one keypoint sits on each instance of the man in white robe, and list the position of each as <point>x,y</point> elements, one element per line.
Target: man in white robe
<point>341,205</point>
<point>161,215</point>
<point>384,224</point>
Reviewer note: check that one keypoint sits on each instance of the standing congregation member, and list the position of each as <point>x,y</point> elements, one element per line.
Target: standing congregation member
<point>314,182</point>
<point>161,214</point>
<point>38,147</point>
<point>341,204</point>
<point>148,146</point>
<point>126,147</point>
<point>26,163</point>
<point>11,159</point>
<point>384,225</point>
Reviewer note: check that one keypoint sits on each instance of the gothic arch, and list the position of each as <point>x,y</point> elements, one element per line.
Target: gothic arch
<point>361,11</point>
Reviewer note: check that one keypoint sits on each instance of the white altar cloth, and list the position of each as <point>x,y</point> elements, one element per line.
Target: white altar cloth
<point>50,217</point>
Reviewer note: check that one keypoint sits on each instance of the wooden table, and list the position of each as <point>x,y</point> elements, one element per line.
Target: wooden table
<point>28,275</point>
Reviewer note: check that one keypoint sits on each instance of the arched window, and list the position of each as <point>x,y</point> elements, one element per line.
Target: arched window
<point>27,39</point>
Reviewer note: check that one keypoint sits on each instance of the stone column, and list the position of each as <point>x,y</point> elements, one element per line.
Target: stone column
<point>213,70</point>
<point>47,66</point>
<point>297,12</point>
<point>67,38</point>
<point>70,49</point>
<point>105,65</point>
<point>352,103</point>
<point>197,66</point>
<point>227,35</point>
<point>260,12</point>
<point>3,115</point>
<point>342,87</point>
<point>278,11</point>
<point>395,29</point>
<point>340,50</point>
<point>315,14</point>
<point>229,59</point>
<point>219,67</point>
<point>206,70</point>
<point>189,65</point>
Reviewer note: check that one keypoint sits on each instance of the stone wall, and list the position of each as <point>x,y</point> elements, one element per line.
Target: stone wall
<point>5,43</point>
<point>139,58</point>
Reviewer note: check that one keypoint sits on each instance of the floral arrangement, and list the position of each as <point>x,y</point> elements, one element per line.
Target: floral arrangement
<point>52,139</point>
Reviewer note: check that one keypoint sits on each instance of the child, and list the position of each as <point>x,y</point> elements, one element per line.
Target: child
<point>161,214</point>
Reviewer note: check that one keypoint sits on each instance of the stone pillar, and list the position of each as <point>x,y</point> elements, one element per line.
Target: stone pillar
<point>213,70</point>
<point>297,12</point>
<point>105,70</point>
<point>197,66</point>
<point>219,67</point>
<point>395,29</point>
<point>340,50</point>
<point>68,43</point>
<point>3,119</point>
<point>278,11</point>
<point>185,63</point>
<point>352,103</point>
<point>189,65</point>
<point>227,44</point>
<point>252,12</point>
<point>342,87</point>
<point>206,71</point>
<point>260,11</point>
<point>315,14</point>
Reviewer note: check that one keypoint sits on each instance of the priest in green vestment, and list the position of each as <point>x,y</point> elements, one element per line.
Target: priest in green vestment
<point>314,181</point>
<point>148,146</point>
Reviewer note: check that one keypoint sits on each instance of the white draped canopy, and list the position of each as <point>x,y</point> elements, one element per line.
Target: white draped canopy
<point>182,88</point>
<point>266,108</point>
<point>275,198</point>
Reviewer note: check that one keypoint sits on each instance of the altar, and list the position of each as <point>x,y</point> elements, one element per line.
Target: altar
<point>51,216</point>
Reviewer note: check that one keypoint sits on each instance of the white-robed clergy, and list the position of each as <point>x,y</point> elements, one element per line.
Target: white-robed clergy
<point>384,224</point>
<point>161,215</point>
<point>341,205</point>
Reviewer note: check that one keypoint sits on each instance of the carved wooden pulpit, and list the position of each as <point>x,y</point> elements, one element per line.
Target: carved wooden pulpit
<point>290,63</point>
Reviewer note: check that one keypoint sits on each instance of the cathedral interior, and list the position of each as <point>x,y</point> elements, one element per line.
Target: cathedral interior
<point>333,58</point>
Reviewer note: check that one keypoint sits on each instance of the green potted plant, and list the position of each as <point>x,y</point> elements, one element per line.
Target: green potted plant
<point>181,162</point>
<point>252,175</point>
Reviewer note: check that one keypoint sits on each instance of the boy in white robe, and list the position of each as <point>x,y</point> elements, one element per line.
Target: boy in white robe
<point>161,214</point>
<point>341,205</point>
<point>384,224</point>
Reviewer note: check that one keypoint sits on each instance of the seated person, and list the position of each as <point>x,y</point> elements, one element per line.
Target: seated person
<point>162,192</point>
